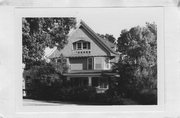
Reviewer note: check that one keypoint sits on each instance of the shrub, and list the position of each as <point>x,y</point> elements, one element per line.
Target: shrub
<point>82,94</point>
<point>147,97</point>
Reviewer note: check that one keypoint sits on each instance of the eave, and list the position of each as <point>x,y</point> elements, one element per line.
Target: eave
<point>99,39</point>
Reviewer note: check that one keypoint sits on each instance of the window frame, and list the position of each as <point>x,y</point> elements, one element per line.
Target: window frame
<point>103,84</point>
<point>88,45</point>
<point>81,45</point>
<point>85,44</point>
<point>91,63</point>
<point>77,48</point>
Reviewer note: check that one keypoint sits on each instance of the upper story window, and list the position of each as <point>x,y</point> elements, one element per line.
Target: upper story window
<point>85,45</point>
<point>81,45</point>
<point>90,63</point>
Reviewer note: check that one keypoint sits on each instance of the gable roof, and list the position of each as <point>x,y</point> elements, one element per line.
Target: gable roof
<point>107,45</point>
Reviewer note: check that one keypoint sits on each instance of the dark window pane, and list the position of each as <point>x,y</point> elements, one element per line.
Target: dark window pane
<point>90,63</point>
<point>79,46</point>
<point>103,83</point>
<point>95,81</point>
<point>85,45</point>
<point>88,45</point>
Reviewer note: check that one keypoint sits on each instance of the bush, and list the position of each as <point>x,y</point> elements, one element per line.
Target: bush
<point>82,94</point>
<point>147,97</point>
<point>47,87</point>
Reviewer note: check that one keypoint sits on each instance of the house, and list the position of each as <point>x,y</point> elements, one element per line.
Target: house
<point>89,58</point>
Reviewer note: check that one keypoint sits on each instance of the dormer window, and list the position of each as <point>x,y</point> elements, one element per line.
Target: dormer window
<point>84,45</point>
<point>81,45</point>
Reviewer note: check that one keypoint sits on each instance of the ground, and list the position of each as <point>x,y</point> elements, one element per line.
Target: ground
<point>31,102</point>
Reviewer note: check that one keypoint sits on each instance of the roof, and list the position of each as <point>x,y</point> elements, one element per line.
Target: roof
<point>91,73</point>
<point>54,54</point>
<point>107,45</point>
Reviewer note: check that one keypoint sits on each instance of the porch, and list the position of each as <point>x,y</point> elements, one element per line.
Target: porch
<point>97,79</point>
<point>101,84</point>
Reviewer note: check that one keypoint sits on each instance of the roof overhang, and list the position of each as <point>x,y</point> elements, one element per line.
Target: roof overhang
<point>98,39</point>
<point>92,74</point>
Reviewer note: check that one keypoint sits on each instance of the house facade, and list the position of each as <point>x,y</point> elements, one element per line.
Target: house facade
<point>89,58</point>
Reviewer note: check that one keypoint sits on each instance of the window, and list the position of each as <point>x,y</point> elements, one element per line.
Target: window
<point>100,82</point>
<point>88,45</point>
<point>90,63</point>
<point>98,66</point>
<point>95,81</point>
<point>79,46</point>
<point>98,63</point>
<point>85,45</point>
<point>103,83</point>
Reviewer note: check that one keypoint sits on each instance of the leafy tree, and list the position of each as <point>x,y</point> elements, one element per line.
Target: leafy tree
<point>39,33</point>
<point>138,61</point>
<point>60,64</point>
<point>108,37</point>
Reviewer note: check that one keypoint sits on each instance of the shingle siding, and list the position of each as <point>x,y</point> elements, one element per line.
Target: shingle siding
<point>95,48</point>
<point>99,50</point>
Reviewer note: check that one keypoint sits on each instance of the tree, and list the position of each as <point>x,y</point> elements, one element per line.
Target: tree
<point>138,61</point>
<point>108,37</point>
<point>60,64</point>
<point>39,33</point>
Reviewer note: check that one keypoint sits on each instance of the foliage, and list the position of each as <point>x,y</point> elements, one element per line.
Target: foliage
<point>46,77</point>
<point>39,33</point>
<point>82,93</point>
<point>108,37</point>
<point>60,64</point>
<point>147,97</point>
<point>137,65</point>
<point>77,95</point>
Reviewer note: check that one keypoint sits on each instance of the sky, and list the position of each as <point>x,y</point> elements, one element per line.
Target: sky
<point>113,20</point>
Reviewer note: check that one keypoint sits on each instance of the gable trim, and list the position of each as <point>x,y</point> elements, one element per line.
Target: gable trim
<point>96,37</point>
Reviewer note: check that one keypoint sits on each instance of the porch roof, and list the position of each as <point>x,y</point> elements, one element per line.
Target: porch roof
<point>91,73</point>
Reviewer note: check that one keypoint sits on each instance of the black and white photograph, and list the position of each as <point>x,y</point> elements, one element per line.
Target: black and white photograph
<point>91,59</point>
<point>82,58</point>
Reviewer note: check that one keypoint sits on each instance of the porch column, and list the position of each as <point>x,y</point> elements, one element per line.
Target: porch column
<point>68,63</point>
<point>89,81</point>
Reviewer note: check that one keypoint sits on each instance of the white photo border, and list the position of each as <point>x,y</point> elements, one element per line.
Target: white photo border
<point>74,12</point>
